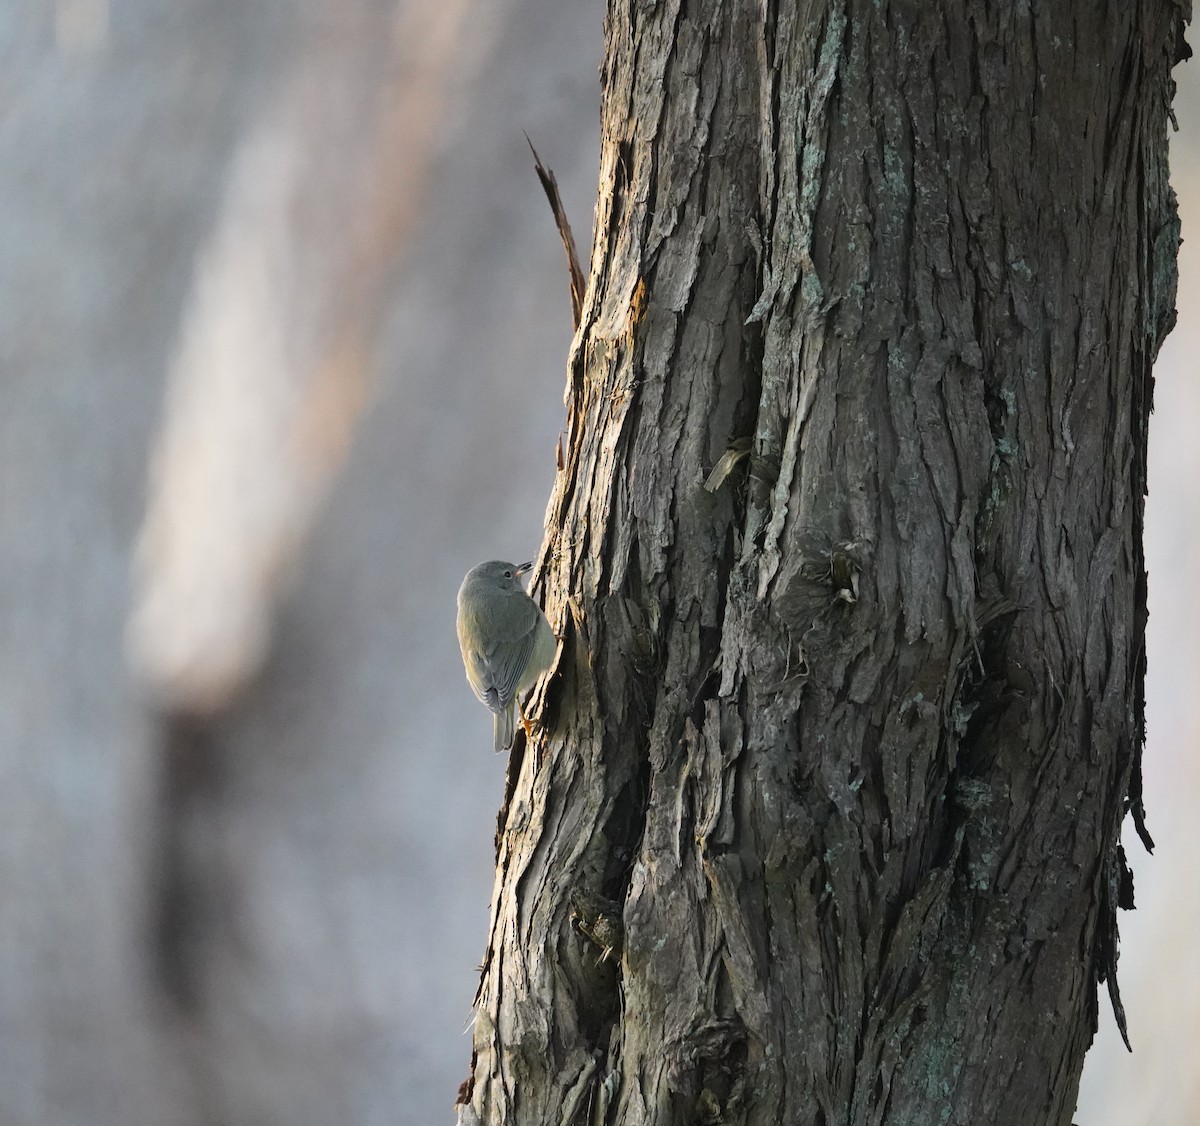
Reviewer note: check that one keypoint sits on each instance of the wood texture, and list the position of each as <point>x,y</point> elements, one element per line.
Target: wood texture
<point>822,823</point>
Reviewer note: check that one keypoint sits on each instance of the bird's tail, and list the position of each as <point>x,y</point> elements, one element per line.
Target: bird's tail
<point>502,728</point>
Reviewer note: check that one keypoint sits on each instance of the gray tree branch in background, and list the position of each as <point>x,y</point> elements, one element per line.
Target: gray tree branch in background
<point>823,820</point>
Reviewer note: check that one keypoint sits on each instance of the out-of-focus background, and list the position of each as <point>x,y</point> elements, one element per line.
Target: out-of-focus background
<point>283,319</point>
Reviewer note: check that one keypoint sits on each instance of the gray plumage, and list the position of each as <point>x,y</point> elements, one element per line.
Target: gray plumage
<point>505,639</point>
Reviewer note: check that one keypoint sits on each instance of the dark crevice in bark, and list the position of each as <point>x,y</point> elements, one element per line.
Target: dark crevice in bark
<point>512,775</point>
<point>624,832</point>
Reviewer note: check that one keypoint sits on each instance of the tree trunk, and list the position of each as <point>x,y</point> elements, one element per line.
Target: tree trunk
<point>821,822</point>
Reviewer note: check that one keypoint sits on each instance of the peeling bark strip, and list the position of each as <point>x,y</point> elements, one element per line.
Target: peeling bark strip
<point>847,740</point>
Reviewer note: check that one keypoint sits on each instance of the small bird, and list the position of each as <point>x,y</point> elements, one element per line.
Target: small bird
<point>505,639</point>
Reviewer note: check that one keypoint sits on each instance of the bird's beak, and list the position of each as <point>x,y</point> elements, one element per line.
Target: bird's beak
<point>524,568</point>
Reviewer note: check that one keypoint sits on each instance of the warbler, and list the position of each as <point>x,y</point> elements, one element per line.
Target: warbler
<point>505,639</point>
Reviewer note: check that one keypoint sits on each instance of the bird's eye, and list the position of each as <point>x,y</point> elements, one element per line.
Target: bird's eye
<point>508,574</point>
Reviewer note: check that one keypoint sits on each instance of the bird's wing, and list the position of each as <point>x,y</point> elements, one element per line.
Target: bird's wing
<point>480,679</point>
<point>494,672</point>
<point>475,662</point>
<point>508,662</point>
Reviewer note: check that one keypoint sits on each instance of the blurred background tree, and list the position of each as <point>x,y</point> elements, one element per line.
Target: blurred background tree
<point>284,322</point>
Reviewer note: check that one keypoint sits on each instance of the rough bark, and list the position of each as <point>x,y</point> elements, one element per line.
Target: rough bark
<point>822,823</point>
